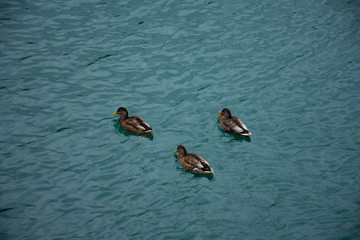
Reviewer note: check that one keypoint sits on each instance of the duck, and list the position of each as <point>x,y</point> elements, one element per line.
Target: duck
<point>133,124</point>
<point>193,162</point>
<point>232,124</point>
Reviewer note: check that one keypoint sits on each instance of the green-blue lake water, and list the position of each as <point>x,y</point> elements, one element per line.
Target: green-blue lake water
<point>289,69</point>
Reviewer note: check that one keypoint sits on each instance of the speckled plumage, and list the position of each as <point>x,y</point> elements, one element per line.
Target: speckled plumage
<point>133,124</point>
<point>193,162</point>
<point>232,124</point>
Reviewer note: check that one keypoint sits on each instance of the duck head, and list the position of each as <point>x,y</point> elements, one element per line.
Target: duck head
<point>181,150</point>
<point>122,112</point>
<point>225,112</point>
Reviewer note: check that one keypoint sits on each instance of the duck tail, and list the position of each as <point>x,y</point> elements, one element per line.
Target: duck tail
<point>202,171</point>
<point>246,133</point>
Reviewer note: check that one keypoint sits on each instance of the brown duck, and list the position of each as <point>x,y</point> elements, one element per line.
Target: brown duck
<point>133,124</point>
<point>193,162</point>
<point>232,124</point>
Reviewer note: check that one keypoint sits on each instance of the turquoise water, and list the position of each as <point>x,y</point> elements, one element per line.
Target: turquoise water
<point>289,69</point>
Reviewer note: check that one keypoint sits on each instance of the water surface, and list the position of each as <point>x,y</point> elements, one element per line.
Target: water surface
<point>290,70</point>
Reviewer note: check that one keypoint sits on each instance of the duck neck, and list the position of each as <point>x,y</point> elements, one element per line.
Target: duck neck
<point>123,116</point>
<point>183,152</point>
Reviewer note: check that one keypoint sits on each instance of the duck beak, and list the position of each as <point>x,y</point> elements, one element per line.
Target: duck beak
<point>114,113</point>
<point>175,151</point>
<point>219,112</point>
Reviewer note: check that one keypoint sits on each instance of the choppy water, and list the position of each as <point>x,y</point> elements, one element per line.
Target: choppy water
<point>289,69</point>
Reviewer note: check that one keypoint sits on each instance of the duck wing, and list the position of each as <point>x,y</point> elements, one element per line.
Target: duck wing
<point>240,126</point>
<point>138,123</point>
<point>232,125</point>
<point>240,122</point>
<point>199,162</point>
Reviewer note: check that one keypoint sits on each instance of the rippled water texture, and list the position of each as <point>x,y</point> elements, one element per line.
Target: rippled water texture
<point>289,69</point>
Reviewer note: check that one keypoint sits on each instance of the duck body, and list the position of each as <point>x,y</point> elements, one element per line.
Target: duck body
<point>133,124</point>
<point>193,162</point>
<point>232,124</point>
